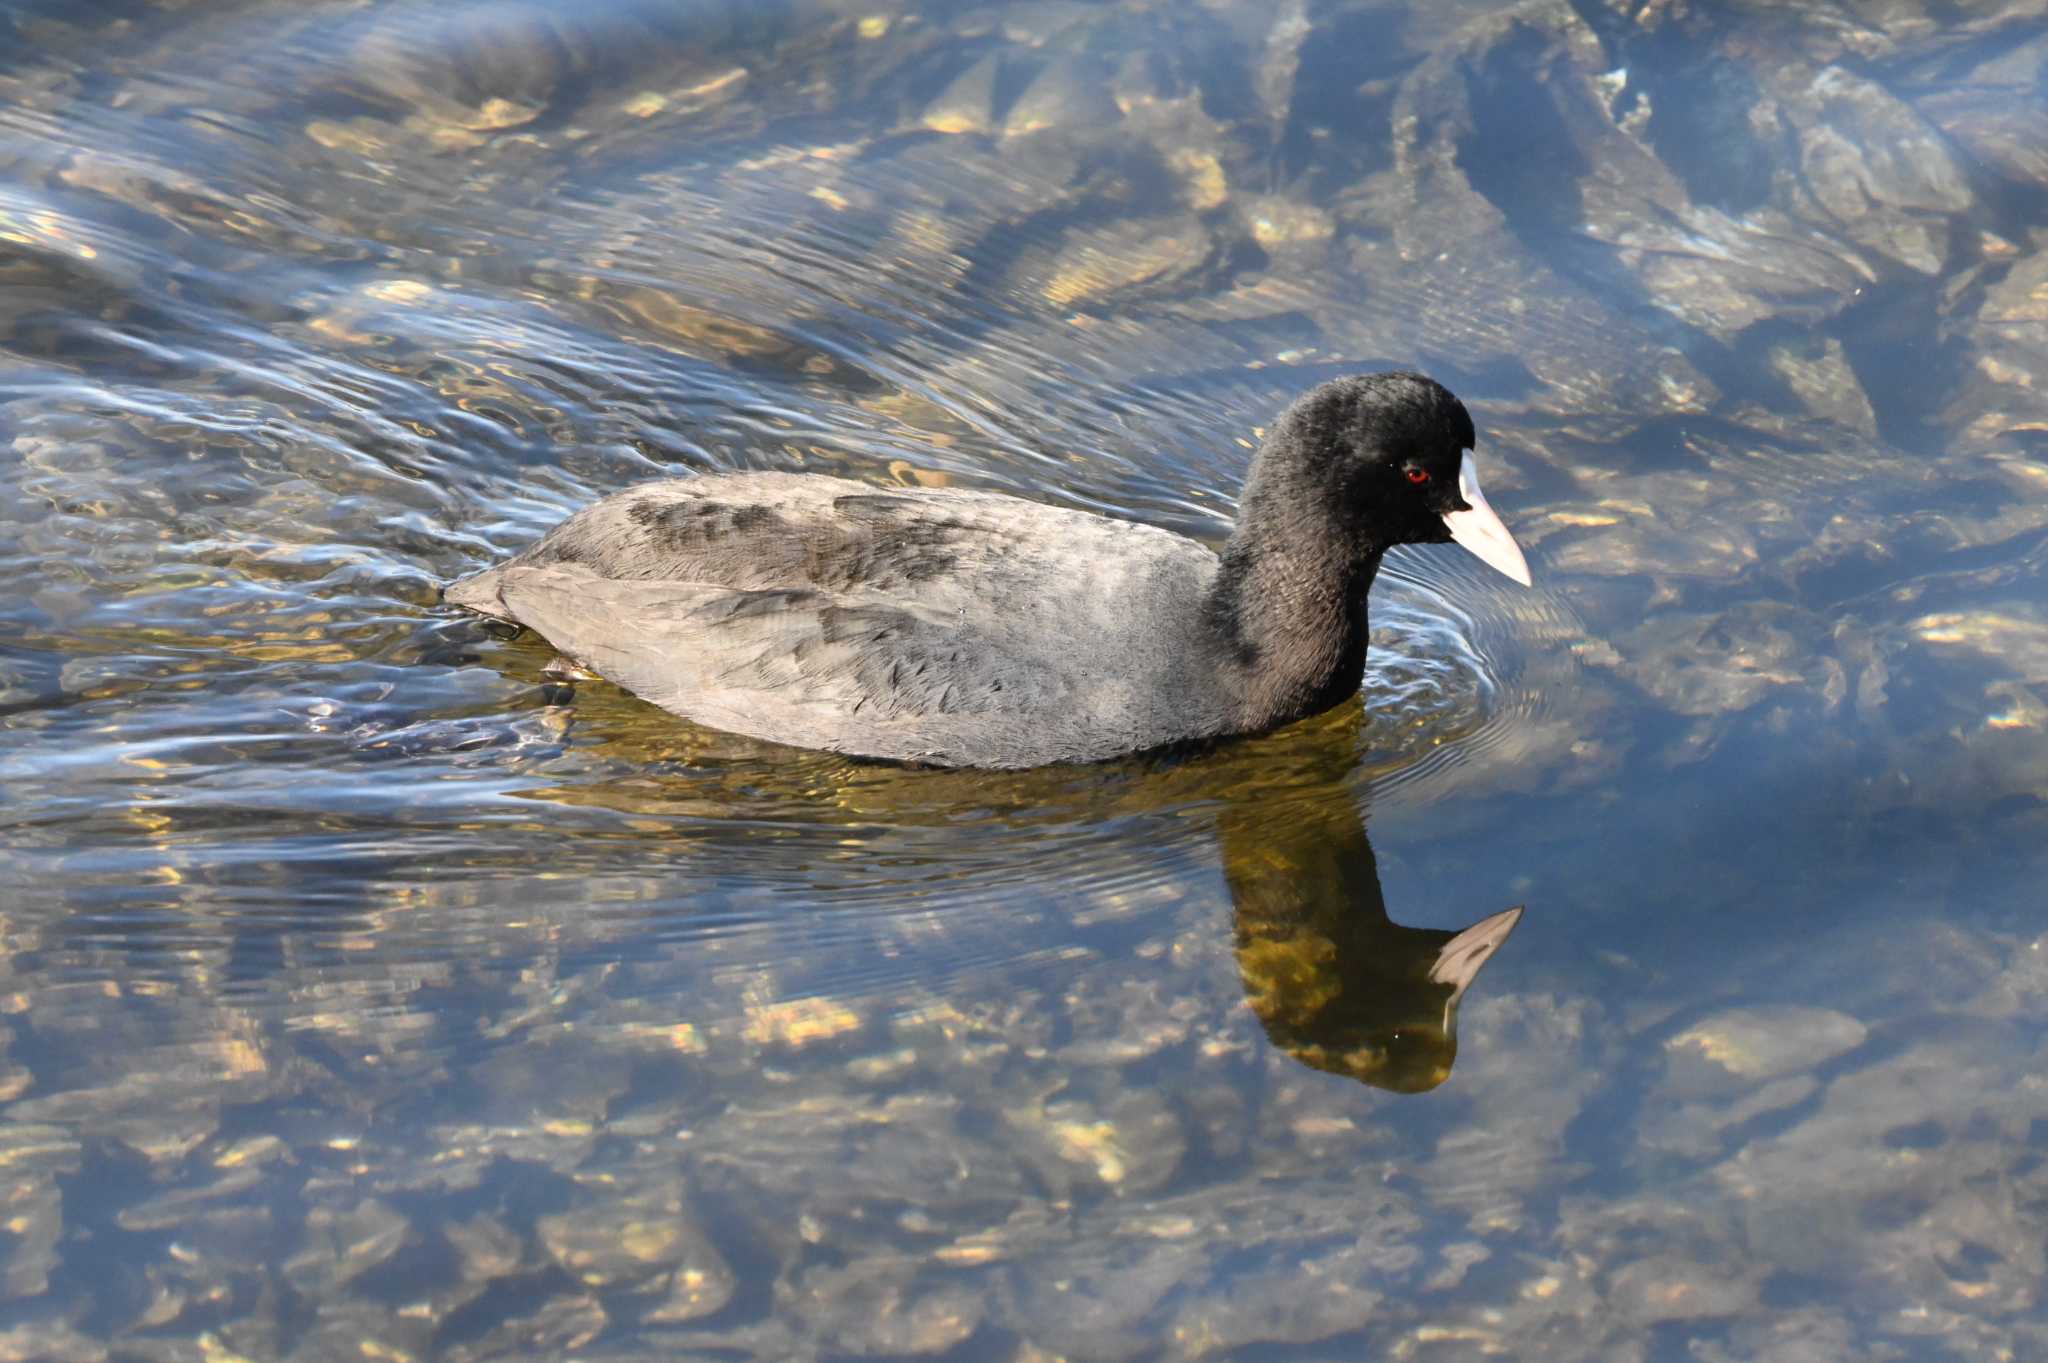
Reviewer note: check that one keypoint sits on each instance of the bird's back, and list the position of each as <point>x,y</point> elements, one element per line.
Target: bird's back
<point>946,626</point>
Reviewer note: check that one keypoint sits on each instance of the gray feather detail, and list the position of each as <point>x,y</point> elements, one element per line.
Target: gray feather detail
<point>958,628</point>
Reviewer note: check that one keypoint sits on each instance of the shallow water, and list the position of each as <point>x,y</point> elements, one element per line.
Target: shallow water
<point>355,1001</point>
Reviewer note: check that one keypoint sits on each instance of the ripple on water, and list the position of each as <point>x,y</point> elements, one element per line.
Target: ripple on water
<point>198,794</point>
<point>1462,678</point>
<point>249,748</point>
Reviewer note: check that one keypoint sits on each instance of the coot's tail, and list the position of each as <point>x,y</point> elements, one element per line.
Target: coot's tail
<point>477,592</point>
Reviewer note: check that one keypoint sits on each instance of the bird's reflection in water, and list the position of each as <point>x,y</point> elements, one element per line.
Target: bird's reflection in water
<point>1335,982</point>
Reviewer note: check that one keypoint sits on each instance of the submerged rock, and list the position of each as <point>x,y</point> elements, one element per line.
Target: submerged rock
<point>1460,222</point>
<point>31,1160</point>
<point>1735,188</point>
<point>342,1245</point>
<point>1759,1044</point>
<point>1818,372</point>
<point>1888,180</point>
<point>1068,93</point>
<point>878,1306</point>
<point>967,105</point>
<point>1736,1066</point>
<point>1089,267</point>
<point>2000,402</point>
<point>647,1241</point>
<point>1726,662</point>
<point>555,1327</point>
<point>1993,110</point>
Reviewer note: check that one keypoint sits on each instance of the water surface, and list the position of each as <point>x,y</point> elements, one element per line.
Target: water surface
<point>357,1001</point>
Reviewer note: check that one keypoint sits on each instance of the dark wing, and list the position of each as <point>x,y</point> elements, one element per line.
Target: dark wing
<point>785,531</point>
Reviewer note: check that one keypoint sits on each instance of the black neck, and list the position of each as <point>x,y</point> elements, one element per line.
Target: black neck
<point>1288,610</point>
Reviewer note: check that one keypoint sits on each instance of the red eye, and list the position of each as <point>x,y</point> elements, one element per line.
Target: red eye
<point>1418,475</point>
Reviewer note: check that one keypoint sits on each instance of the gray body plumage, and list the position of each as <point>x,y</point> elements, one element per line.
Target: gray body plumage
<point>942,626</point>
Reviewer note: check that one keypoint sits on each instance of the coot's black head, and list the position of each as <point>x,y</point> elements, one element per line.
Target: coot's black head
<point>1381,459</point>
